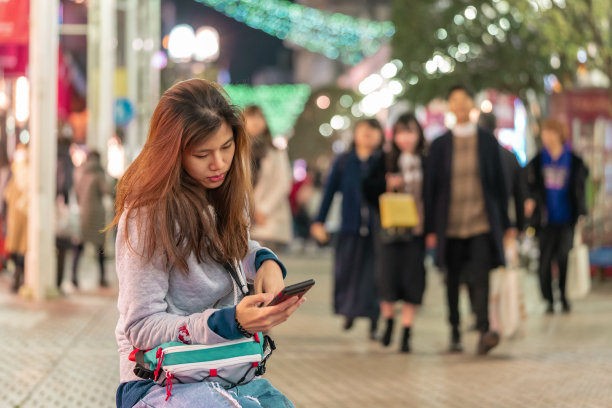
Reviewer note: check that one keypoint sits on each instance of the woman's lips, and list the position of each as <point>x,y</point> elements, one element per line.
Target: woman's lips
<point>218,178</point>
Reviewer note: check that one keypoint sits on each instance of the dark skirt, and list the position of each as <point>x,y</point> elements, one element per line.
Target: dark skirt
<point>400,271</point>
<point>354,286</point>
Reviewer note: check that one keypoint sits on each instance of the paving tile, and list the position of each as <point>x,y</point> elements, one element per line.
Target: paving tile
<point>63,353</point>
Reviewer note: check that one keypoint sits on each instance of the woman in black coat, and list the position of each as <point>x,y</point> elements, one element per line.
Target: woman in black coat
<point>401,254</point>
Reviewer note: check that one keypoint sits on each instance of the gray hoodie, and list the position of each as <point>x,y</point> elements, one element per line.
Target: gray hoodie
<point>154,305</point>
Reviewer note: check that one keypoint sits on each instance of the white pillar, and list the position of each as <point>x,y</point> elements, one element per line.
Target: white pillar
<point>131,65</point>
<point>101,61</point>
<point>108,45</point>
<point>40,257</point>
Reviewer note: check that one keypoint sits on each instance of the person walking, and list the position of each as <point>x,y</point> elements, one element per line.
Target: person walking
<point>467,213</point>
<point>272,184</point>
<point>557,179</point>
<point>354,288</point>
<point>183,211</point>
<point>400,274</point>
<point>16,196</point>
<point>90,189</point>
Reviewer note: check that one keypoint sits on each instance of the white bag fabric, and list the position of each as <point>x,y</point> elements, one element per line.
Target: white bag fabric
<point>578,283</point>
<point>506,308</point>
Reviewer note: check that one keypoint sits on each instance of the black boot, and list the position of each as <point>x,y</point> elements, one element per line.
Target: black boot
<point>566,306</point>
<point>406,340</point>
<point>386,340</point>
<point>456,346</point>
<point>373,329</point>
<point>348,323</point>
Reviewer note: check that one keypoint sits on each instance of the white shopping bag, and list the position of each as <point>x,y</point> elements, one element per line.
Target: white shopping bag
<point>506,308</point>
<point>578,283</point>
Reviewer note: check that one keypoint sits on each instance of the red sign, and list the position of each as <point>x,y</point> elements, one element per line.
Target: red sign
<point>14,21</point>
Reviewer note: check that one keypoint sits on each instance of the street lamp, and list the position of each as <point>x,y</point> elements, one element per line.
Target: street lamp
<point>185,45</point>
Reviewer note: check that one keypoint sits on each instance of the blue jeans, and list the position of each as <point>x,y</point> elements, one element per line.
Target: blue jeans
<point>258,393</point>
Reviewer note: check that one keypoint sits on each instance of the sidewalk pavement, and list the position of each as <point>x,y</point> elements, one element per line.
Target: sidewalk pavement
<point>63,353</point>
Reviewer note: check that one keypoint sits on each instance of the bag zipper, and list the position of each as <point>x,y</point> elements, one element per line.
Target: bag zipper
<point>177,368</point>
<point>191,347</point>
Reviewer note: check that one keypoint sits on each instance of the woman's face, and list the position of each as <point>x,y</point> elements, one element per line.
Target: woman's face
<point>367,137</point>
<point>406,137</point>
<point>210,161</point>
<point>255,124</point>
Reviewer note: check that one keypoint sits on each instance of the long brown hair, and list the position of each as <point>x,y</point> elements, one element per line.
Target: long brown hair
<point>176,215</point>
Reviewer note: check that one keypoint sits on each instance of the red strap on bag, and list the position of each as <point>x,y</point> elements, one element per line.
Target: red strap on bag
<point>169,385</point>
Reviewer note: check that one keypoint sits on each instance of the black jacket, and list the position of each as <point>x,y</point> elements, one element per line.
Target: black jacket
<point>537,190</point>
<point>516,185</point>
<point>437,191</point>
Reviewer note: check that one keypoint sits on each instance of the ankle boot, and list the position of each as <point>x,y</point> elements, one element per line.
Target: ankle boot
<point>373,329</point>
<point>406,340</point>
<point>386,340</point>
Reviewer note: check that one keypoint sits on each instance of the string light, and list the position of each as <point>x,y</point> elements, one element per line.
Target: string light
<point>281,104</point>
<point>335,35</point>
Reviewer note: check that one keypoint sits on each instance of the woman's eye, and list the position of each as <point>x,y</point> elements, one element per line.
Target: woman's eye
<point>202,156</point>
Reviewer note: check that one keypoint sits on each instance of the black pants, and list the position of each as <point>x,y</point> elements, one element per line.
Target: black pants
<point>78,250</point>
<point>555,244</point>
<point>18,279</point>
<point>469,260</point>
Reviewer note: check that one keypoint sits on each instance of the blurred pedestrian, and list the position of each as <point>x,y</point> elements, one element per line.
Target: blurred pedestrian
<point>64,237</point>
<point>90,189</point>
<point>299,199</point>
<point>467,214</point>
<point>557,178</point>
<point>354,288</point>
<point>272,178</point>
<point>400,274</point>
<point>16,196</point>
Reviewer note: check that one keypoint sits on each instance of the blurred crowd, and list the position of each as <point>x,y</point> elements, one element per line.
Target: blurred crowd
<point>473,208</point>
<point>463,199</point>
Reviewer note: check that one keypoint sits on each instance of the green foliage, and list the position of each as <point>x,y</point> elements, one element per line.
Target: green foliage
<point>506,45</point>
<point>307,143</point>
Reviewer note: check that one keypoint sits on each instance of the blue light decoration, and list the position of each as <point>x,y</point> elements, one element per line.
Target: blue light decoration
<point>335,35</point>
<point>281,104</point>
<point>124,111</point>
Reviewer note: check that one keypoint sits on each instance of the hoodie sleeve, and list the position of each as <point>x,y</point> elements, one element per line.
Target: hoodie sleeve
<point>143,287</point>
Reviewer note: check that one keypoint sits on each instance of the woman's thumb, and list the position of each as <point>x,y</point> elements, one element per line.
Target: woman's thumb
<point>258,299</point>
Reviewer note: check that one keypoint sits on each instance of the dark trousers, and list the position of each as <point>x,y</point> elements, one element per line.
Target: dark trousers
<point>469,260</point>
<point>78,250</point>
<point>555,243</point>
<point>18,279</point>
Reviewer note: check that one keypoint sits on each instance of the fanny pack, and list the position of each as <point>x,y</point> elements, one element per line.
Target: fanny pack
<point>230,363</point>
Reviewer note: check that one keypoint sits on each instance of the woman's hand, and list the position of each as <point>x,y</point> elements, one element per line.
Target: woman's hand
<point>256,319</point>
<point>394,181</point>
<point>269,278</point>
<point>317,230</point>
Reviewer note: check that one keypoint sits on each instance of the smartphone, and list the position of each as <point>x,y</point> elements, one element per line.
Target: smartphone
<point>294,290</point>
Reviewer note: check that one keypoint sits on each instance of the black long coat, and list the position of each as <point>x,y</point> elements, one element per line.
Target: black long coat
<point>437,191</point>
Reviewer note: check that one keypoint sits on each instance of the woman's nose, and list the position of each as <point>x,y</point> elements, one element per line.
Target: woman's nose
<point>217,161</point>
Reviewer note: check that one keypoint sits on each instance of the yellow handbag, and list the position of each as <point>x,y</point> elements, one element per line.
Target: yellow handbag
<point>398,210</point>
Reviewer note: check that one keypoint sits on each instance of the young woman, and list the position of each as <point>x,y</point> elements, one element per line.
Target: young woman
<point>401,268</point>
<point>183,211</point>
<point>272,177</point>
<point>354,290</point>
<point>556,178</point>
